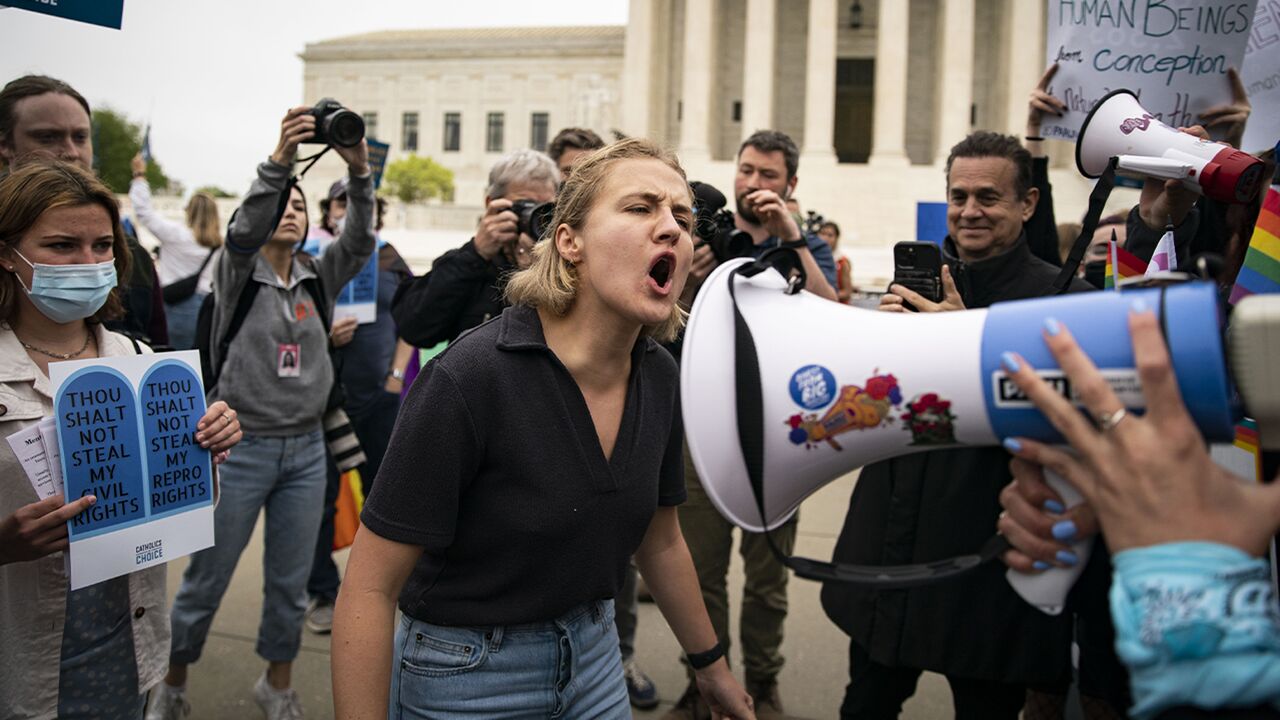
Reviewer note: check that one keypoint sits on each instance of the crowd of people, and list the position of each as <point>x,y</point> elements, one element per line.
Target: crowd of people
<point>514,558</point>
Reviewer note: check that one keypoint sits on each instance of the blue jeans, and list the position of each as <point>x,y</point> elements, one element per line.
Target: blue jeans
<point>181,318</point>
<point>566,668</point>
<point>286,476</point>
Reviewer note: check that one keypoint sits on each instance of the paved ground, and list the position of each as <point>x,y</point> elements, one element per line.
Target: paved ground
<point>812,682</point>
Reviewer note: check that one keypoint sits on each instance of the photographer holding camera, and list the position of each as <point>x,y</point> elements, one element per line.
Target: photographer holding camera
<point>464,287</point>
<point>276,366</point>
<point>765,177</point>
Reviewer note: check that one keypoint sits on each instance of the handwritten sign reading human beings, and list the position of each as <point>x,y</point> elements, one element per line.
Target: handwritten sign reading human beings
<point>1173,54</point>
<point>126,435</point>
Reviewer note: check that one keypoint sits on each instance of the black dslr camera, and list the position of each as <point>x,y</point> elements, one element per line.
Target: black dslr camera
<point>813,223</point>
<point>336,125</point>
<point>533,217</point>
<point>713,224</point>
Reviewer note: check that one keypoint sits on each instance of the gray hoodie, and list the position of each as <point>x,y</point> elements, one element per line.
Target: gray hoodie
<point>282,315</point>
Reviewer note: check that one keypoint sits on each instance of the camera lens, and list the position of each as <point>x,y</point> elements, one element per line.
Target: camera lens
<point>540,220</point>
<point>345,128</point>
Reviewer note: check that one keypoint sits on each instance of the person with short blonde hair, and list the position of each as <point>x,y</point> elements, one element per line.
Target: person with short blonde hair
<point>531,460</point>
<point>551,282</point>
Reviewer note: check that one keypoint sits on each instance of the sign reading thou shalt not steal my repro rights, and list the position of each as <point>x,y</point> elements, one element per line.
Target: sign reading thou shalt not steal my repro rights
<point>126,435</point>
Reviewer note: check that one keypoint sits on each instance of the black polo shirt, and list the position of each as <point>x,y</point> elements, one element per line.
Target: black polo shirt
<point>496,470</point>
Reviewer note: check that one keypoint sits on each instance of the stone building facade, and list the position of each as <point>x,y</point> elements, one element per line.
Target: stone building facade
<point>875,92</point>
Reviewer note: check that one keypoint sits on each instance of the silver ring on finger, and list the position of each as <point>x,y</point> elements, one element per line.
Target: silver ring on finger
<point>1108,421</point>
<point>226,417</point>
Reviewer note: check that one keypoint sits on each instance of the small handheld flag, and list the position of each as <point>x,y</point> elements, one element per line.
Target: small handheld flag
<point>1260,272</point>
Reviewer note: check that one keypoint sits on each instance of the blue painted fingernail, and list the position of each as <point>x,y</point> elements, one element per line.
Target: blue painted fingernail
<point>1010,362</point>
<point>1040,565</point>
<point>1139,305</point>
<point>1064,530</point>
<point>1054,506</point>
<point>1052,326</point>
<point>1068,558</point>
<point>1012,445</point>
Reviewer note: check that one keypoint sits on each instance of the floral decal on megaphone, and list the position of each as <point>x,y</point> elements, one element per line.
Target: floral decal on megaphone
<point>928,417</point>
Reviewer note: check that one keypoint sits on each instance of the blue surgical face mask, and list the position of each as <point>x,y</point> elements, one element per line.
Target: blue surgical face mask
<point>66,293</point>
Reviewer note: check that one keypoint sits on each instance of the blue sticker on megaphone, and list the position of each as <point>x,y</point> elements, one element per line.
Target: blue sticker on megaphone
<point>813,387</point>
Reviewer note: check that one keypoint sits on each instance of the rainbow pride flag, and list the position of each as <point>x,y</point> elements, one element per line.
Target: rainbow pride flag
<point>1247,440</point>
<point>1122,264</point>
<point>1261,270</point>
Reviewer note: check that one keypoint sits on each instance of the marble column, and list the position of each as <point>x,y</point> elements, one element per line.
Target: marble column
<point>955,76</point>
<point>1025,60</point>
<point>699,73</point>
<point>757,67</point>
<point>637,78</point>
<point>888,135</point>
<point>820,84</point>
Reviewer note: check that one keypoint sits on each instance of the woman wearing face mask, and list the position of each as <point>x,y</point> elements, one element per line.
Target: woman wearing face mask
<point>277,372</point>
<point>92,652</point>
<point>186,252</point>
<point>531,460</point>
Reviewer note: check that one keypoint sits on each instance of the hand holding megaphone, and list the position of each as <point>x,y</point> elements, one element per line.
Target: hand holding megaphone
<point>1148,478</point>
<point>1118,126</point>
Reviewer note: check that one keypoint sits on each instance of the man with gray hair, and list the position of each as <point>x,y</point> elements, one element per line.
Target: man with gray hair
<point>464,287</point>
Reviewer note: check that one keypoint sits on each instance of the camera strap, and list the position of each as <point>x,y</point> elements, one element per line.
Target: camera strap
<point>1097,201</point>
<point>750,417</point>
<point>313,160</point>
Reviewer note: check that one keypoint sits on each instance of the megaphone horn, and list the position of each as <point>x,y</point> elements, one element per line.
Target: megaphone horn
<point>816,389</point>
<point>1118,126</point>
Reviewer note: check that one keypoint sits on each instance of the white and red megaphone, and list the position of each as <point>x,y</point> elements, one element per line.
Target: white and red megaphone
<point>1118,126</point>
<point>784,392</point>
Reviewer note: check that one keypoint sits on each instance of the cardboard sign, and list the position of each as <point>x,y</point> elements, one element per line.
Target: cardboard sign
<point>359,297</point>
<point>107,13</point>
<point>1261,78</point>
<point>126,434</point>
<point>1173,54</point>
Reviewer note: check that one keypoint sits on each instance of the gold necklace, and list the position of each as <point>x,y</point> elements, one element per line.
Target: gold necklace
<point>88,334</point>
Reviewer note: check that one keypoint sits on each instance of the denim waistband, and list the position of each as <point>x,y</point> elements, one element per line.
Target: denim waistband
<point>594,610</point>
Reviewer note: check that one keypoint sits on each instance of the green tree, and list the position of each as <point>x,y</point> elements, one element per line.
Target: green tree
<point>115,141</point>
<point>414,179</point>
<point>215,191</point>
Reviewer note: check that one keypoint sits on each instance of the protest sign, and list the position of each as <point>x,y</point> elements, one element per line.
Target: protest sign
<point>359,297</point>
<point>377,160</point>
<point>1261,78</point>
<point>126,434</point>
<point>1173,54</point>
<point>107,13</point>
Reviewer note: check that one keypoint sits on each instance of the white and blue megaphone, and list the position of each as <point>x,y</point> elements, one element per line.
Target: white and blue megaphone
<point>818,389</point>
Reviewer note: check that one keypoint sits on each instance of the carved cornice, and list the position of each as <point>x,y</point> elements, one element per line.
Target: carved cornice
<point>478,43</point>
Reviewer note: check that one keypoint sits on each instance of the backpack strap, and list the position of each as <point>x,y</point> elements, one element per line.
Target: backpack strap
<point>243,304</point>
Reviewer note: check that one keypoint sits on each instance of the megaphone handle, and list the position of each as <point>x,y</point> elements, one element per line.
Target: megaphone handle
<point>1047,591</point>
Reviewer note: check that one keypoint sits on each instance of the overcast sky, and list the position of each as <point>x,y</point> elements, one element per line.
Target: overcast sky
<point>215,76</point>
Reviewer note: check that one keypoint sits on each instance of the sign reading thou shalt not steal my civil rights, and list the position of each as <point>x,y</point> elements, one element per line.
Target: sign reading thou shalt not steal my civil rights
<point>1173,54</point>
<point>126,434</point>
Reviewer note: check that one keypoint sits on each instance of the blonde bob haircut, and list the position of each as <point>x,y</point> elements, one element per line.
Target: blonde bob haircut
<point>551,281</point>
<point>37,187</point>
<point>202,218</point>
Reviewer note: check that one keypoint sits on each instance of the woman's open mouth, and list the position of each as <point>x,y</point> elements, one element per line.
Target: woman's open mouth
<point>661,271</point>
